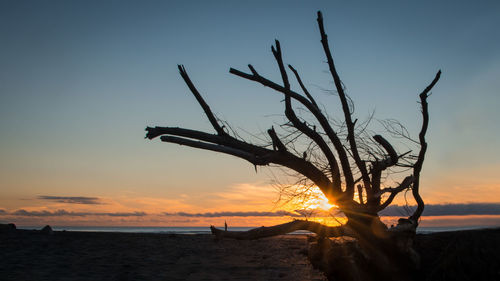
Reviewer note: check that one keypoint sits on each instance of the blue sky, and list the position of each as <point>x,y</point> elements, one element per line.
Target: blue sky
<point>80,80</point>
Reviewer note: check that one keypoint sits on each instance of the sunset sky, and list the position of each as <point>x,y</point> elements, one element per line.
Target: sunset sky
<point>80,80</point>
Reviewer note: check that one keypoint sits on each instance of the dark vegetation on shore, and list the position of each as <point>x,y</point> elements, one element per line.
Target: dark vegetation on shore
<point>61,255</point>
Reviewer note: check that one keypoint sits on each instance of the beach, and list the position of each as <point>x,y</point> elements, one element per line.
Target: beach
<point>67,255</point>
<point>73,255</point>
<point>460,255</point>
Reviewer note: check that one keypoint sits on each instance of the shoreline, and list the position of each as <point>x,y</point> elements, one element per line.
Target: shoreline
<point>206,230</point>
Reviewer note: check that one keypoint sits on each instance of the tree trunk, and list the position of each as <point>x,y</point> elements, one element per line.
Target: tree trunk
<point>363,249</point>
<point>375,253</point>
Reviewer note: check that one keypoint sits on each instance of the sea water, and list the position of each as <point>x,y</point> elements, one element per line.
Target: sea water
<point>136,229</point>
<point>204,230</point>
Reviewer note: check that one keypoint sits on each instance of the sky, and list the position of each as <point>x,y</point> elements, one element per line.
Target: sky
<point>80,80</point>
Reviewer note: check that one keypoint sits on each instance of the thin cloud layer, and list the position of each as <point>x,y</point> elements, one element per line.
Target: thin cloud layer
<point>446,209</point>
<point>234,214</point>
<point>395,210</point>
<point>60,213</point>
<point>71,199</point>
<point>430,210</point>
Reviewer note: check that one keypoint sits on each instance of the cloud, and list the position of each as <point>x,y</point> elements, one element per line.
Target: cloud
<point>446,209</point>
<point>3,212</point>
<point>125,214</point>
<point>183,221</point>
<point>234,214</point>
<point>60,213</point>
<point>316,213</point>
<point>71,199</point>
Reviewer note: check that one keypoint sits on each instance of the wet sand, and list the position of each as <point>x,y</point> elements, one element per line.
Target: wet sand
<point>30,255</point>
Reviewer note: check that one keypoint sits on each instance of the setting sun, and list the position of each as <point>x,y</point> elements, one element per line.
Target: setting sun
<point>310,202</point>
<point>317,200</point>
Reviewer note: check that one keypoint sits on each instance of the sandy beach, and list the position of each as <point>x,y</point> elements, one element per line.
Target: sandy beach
<point>460,255</point>
<point>68,255</point>
<point>30,255</point>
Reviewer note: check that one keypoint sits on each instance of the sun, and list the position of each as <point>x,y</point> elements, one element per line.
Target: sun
<point>310,198</point>
<point>317,200</point>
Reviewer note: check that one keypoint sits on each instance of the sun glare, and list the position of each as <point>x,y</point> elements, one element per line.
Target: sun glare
<point>318,200</point>
<point>311,199</point>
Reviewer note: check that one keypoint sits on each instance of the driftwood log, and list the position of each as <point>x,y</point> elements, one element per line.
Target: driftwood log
<point>348,166</point>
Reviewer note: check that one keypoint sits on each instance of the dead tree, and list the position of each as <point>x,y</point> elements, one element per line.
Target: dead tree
<point>349,170</point>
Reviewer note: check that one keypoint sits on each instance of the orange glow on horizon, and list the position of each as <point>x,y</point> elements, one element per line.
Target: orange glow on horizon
<point>241,205</point>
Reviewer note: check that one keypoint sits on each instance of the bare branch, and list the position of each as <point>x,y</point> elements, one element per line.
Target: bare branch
<point>423,148</point>
<point>345,108</point>
<point>279,59</point>
<point>252,158</point>
<point>201,101</point>
<point>344,160</point>
<point>304,128</point>
<point>393,156</point>
<point>304,89</point>
<point>153,132</point>
<point>276,141</point>
<point>254,154</point>
<point>382,165</point>
<point>206,137</point>
<point>394,191</point>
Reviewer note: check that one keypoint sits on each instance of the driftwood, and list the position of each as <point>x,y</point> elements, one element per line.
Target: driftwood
<point>348,167</point>
<point>262,232</point>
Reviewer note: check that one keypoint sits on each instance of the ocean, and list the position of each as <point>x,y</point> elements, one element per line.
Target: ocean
<point>205,230</point>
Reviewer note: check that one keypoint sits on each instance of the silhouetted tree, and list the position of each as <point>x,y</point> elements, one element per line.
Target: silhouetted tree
<point>347,167</point>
